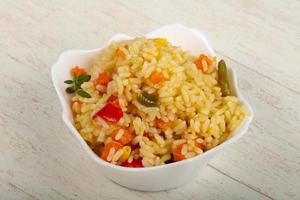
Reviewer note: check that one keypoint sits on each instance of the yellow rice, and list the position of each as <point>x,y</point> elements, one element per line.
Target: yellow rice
<point>189,98</point>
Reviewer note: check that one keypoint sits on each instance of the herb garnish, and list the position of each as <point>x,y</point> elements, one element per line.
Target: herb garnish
<point>76,87</point>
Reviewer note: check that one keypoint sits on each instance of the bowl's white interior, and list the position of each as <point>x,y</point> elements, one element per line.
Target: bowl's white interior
<point>190,40</point>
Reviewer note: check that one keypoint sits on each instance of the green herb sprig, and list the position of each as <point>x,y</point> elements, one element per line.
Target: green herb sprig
<point>76,85</point>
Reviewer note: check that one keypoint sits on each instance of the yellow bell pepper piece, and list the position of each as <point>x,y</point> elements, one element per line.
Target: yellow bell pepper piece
<point>126,153</point>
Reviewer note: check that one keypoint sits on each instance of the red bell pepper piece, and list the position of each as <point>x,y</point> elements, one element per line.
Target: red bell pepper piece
<point>110,112</point>
<point>135,163</point>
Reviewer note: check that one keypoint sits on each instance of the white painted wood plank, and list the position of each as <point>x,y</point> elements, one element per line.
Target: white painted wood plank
<point>11,191</point>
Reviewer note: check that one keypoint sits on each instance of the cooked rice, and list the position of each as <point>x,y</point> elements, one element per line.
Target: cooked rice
<point>189,98</point>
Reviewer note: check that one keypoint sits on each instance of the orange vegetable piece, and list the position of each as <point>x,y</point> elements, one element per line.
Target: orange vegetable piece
<point>162,125</point>
<point>120,53</point>
<point>198,61</point>
<point>77,71</point>
<point>113,98</point>
<point>200,145</point>
<point>126,137</point>
<point>156,77</point>
<point>103,78</point>
<point>177,156</point>
<point>107,148</point>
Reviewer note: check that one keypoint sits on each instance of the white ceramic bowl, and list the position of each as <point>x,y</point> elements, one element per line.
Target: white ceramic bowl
<point>152,178</point>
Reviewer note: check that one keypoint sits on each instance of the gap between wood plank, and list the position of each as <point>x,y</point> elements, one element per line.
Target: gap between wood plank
<point>240,182</point>
<point>15,187</point>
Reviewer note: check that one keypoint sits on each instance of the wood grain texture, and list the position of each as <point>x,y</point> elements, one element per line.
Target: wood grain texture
<point>260,39</point>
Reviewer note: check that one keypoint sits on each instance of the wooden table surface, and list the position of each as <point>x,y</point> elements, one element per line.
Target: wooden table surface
<point>40,159</point>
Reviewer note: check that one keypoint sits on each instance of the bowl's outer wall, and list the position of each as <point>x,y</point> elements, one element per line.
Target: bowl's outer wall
<point>163,179</point>
<point>153,178</point>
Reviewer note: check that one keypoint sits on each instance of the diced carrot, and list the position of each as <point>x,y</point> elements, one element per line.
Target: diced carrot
<point>107,148</point>
<point>198,61</point>
<point>120,53</point>
<point>103,78</point>
<point>156,77</point>
<point>113,98</point>
<point>177,156</point>
<point>162,125</point>
<point>207,59</point>
<point>135,163</point>
<point>126,137</point>
<point>77,71</point>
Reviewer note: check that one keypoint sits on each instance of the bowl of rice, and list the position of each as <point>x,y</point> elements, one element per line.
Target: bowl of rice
<point>151,110</point>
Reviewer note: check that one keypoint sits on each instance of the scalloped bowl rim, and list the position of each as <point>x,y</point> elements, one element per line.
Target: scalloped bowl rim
<point>240,131</point>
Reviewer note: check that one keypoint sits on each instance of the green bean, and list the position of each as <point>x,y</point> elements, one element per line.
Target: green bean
<point>148,100</point>
<point>223,78</point>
